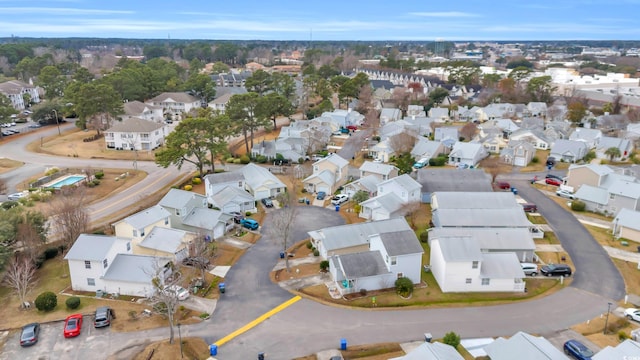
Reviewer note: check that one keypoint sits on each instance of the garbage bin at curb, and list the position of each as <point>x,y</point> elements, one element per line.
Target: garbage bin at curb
<point>281,254</point>
<point>221,286</point>
<point>343,344</point>
<point>213,349</point>
<point>428,337</point>
<point>337,207</point>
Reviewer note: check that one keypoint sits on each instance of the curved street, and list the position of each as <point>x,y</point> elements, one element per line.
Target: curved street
<point>307,327</point>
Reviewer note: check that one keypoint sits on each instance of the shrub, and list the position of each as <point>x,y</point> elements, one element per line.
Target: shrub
<point>73,302</point>
<point>99,175</point>
<point>316,252</point>
<point>324,265</point>
<point>404,286</point>
<point>52,171</point>
<point>9,204</point>
<point>230,160</point>
<point>204,315</point>
<point>363,292</point>
<point>261,159</point>
<point>46,301</point>
<point>439,161</point>
<point>535,160</point>
<point>590,156</point>
<point>39,261</point>
<point>452,339</point>
<point>248,213</point>
<point>196,181</point>
<point>424,236</point>
<point>577,205</point>
<point>188,187</point>
<point>622,335</point>
<point>236,161</point>
<point>50,253</point>
<point>309,245</point>
<point>244,159</point>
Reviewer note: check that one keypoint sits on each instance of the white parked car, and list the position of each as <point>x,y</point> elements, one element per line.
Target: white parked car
<point>180,292</point>
<point>565,194</point>
<point>632,314</point>
<point>339,199</point>
<point>17,196</point>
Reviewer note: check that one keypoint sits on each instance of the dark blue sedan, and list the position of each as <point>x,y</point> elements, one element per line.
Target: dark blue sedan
<point>321,195</point>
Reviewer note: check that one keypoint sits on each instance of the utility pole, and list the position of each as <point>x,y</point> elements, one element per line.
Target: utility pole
<point>606,320</point>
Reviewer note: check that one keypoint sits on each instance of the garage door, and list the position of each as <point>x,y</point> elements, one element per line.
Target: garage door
<point>324,188</point>
<point>519,161</point>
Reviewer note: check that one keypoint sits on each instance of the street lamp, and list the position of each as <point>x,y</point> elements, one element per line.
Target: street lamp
<point>55,112</point>
<point>180,336</point>
<point>606,320</point>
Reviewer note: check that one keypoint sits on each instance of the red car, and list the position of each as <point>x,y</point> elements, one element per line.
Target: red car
<point>352,127</point>
<point>73,325</point>
<point>503,185</point>
<point>553,181</point>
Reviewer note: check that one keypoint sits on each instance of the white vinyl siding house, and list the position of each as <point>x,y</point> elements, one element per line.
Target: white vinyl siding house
<point>135,134</point>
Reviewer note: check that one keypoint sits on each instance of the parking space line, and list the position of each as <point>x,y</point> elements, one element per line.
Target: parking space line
<point>258,320</point>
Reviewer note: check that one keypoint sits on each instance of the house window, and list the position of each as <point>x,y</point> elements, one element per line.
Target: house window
<point>142,232</point>
<point>485,281</point>
<point>468,281</point>
<point>135,233</point>
<point>239,184</point>
<point>394,260</point>
<point>87,264</point>
<point>105,263</point>
<point>91,281</point>
<point>474,265</point>
<point>177,212</point>
<point>612,196</point>
<point>400,275</point>
<point>128,246</point>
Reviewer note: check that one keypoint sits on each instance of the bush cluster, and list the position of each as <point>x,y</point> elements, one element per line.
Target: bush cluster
<point>196,181</point>
<point>47,301</point>
<point>73,303</point>
<point>577,205</point>
<point>99,174</point>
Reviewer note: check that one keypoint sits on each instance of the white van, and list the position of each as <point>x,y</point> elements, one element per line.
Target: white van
<point>529,269</point>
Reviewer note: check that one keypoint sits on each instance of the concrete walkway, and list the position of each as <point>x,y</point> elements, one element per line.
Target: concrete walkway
<point>622,254</point>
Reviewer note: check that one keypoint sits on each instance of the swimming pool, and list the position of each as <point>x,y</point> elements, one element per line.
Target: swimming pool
<point>69,180</point>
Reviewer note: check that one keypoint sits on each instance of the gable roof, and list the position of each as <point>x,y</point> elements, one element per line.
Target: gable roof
<point>628,189</point>
<point>607,142</point>
<point>163,239</point>
<point>628,218</point>
<point>176,97</point>
<point>405,181</point>
<point>14,86</point>
<point>225,177</point>
<point>377,168</point>
<point>228,194</point>
<point>592,194</point>
<point>137,107</point>
<point>598,169</point>
<point>368,183</point>
<point>466,150</point>
<point>489,238</point>
<point>628,349</point>
<point>177,199</point>
<point>135,125</point>
<point>426,147</point>
<point>523,346</point>
<point>343,236</point>
<point>256,176</point>
<point>389,202</point>
<point>574,147</point>
<point>134,268</point>
<point>501,265</point>
<point>460,249</point>
<point>335,159</point>
<point>432,351</point>
<point>479,217</point>
<point>205,218</point>
<point>146,217</point>
<point>401,243</point>
<point>585,134</point>
<point>361,264</point>
<point>435,180</point>
<point>475,200</point>
<point>92,247</point>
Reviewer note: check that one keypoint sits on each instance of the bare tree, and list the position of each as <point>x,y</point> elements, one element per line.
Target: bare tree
<point>493,167</point>
<point>281,223</point>
<point>401,97</point>
<point>372,118</point>
<point>201,249</point>
<point>20,276</point>
<point>403,142</point>
<point>412,212</point>
<point>70,214</point>
<point>30,239</point>
<point>468,131</point>
<point>164,299</point>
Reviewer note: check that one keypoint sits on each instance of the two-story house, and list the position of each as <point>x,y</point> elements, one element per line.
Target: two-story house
<point>328,174</point>
<point>106,263</point>
<point>467,154</point>
<point>176,104</point>
<point>17,91</point>
<point>518,153</point>
<point>189,211</point>
<point>135,134</point>
<point>381,171</point>
<point>536,137</point>
<point>591,137</point>
<point>569,150</point>
<point>137,109</point>
<point>395,196</point>
<point>227,192</point>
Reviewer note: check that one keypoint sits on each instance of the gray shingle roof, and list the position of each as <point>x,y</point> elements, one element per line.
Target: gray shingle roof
<point>177,199</point>
<point>490,238</point>
<point>479,217</point>
<point>146,217</point>
<point>628,218</point>
<point>475,200</point>
<point>163,239</point>
<point>462,249</point>
<point>92,247</point>
<point>176,97</point>
<point>628,349</point>
<point>136,107</point>
<point>377,168</point>
<point>432,351</point>
<point>224,177</point>
<point>135,125</point>
<point>592,194</point>
<point>205,218</point>
<point>14,87</point>
<point>134,268</point>
<point>523,346</point>
<point>343,236</point>
<point>362,264</point>
<point>435,180</point>
<point>501,266</point>
<point>405,181</point>
<point>256,176</point>
<point>629,189</point>
<point>401,243</point>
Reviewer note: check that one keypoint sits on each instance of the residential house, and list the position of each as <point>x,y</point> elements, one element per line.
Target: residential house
<point>328,175</point>
<point>388,115</point>
<point>165,242</point>
<point>135,134</point>
<point>493,240</point>
<point>353,238</point>
<point>368,184</point>
<point>444,180</point>
<point>138,225</point>
<point>518,153</point>
<point>427,149</point>
<point>440,114</point>
<point>470,115</point>
<point>532,123</point>
<point>219,104</point>
<point>624,146</point>
<point>569,150</point>
<point>189,211</point>
<point>17,91</point>
<point>458,265</point>
<point>421,125</point>
<point>633,132</point>
<point>395,197</point>
<point>446,132</point>
<point>627,225</point>
<point>537,109</point>
<point>344,118</point>
<point>496,111</point>
<point>432,351</point>
<point>379,170</point>
<point>176,104</point>
<point>589,174</point>
<point>591,137</point>
<point>524,347</point>
<point>227,192</point>
<point>468,154</point>
<point>140,110</point>
<point>627,349</point>
<point>106,263</point>
<point>416,111</point>
<point>533,136</point>
<point>391,255</point>
<point>492,139</point>
<point>261,183</point>
<point>617,195</point>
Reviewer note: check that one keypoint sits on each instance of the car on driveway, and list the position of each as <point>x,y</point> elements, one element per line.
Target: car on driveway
<point>267,202</point>
<point>237,216</point>
<point>530,207</point>
<point>180,292</point>
<point>529,269</point>
<point>565,194</point>
<point>556,270</point>
<point>29,334</point>
<point>577,350</point>
<point>552,181</point>
<point>339,199</point>
<point>103,317</point>
<point>73,325</point>
<point>552,176</point>
<point>250,224</point>
<point>321,195</point>
<point>632,314</point>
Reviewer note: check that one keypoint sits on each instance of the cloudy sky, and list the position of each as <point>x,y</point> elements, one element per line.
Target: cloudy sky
<point>324,20</point>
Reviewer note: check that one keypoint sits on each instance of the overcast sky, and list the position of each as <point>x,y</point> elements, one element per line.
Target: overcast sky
<point>324,20</point>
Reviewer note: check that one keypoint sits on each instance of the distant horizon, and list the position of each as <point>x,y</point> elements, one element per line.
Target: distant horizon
<point>287,20</point>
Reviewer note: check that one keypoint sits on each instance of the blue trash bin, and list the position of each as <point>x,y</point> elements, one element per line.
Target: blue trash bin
<point>213,349</point>
<point>337,207</point>
<point>343,344</point>
<point>281,254</point>
<point>222,287</point>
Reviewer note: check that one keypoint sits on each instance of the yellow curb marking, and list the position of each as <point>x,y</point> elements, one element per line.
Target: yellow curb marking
<point>258,320</point>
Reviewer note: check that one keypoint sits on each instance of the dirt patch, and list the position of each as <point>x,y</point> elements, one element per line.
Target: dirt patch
<point>594,329</point>
<point>192,348</point>
<point>71,144</point>
<point>7,165</point>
